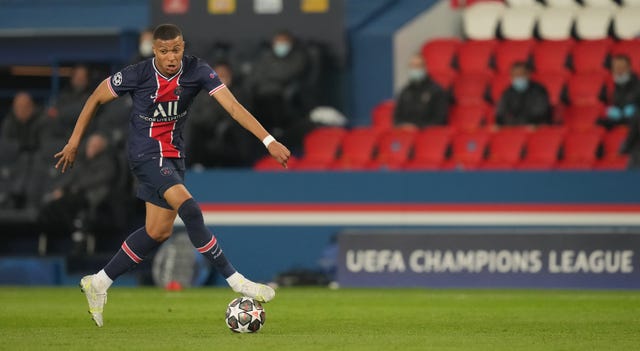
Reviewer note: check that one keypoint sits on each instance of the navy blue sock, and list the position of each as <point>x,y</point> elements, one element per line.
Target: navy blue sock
<point>202,238</point>
<point>132,252</point>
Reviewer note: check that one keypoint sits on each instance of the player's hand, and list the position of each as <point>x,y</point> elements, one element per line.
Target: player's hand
<point>279,152</point>
<point>67,157</point>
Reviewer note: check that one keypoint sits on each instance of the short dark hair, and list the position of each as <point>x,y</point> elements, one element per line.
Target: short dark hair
<point>622,57</point>
<point>166,32</point>
<point>520,64</point>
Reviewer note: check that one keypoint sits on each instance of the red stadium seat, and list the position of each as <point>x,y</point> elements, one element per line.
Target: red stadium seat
<point>582,117</point>
<point>541,149</point>
<point>438,55</point>
<point>393,148</point>
<point>611,144</point>
<point>586,88</point>
<point>589,56</point>
<point>612,141</point>
<point>269,164</point>
<point>630,48</point>
<point>554,83</point>
<point>357,149</point>
<point>580,149</point>
<point>382,115</point>
<point>552,56</point>
<point>320,148</point>
<point>468,149</point>
<point>505,148</point>
<point>499,84</point>
<point>468,117</point>
<point>509,51</point>
<point>470,89</point>
<point>430,149</point>
<point>474,56</point>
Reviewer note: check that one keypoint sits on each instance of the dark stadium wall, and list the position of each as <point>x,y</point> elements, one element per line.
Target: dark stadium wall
<point>244,28</point>
<point>272,222</point>
<point>72,16</point>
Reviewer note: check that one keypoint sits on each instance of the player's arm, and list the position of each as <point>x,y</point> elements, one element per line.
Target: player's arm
<point>250,123</point>
<point>100,96</point>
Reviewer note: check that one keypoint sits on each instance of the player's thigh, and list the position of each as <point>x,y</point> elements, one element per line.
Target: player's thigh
<point>176,195</point>
<point>159,221</point>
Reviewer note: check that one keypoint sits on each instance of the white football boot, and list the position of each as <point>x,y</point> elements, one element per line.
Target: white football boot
<point>246,287</point>
<point>96,299</point>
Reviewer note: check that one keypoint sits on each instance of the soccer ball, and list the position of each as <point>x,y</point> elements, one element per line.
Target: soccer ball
<point>245,315</point>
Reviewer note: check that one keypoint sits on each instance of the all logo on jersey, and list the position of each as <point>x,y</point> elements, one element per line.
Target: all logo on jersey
<point>117,79</point>
<point>166,109</point>
<point>178,90</point>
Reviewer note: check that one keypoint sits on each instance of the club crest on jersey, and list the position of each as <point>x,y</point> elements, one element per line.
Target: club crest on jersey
<point>117,79</point>
<point>178,90</point>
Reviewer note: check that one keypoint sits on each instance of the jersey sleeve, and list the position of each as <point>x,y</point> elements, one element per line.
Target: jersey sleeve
<point>209,79</point>
<point>124,81</point>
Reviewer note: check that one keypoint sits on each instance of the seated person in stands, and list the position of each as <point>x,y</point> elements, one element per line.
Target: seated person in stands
<point>79,193</point>
<point>422,102</point>
<point>145,46</point>
<point>525,102</point>
<point>277,78</point>
<point>231,145</point>
<point>24,123</point>
<point>624,102</point>
<point>62,115</point>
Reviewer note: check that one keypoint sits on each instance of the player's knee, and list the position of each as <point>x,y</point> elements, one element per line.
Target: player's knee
<point>190,212</point>
<point>159,234</point>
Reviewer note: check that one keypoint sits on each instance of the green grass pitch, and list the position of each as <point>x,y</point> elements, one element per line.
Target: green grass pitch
<point>322,319</point>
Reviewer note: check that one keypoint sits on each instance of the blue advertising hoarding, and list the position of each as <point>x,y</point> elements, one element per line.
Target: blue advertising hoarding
<point>487,259</point>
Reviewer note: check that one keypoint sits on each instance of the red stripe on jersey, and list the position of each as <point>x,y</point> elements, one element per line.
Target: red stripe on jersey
<point>163,133</point>
<point>167,88</point>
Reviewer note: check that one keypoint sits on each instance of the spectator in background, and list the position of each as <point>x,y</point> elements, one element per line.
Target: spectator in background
<point>69,103</point>
<point>422,102</point>
<point>214,139</point>
<point>626,93</point>
<point>85,188</point>
<point>145,46</point>
<point>23,124</point>
<point>277,79</point>
<point>525,102</point>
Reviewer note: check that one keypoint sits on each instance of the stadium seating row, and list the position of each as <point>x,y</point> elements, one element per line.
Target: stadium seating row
<point>448,58</point>
<point>472,116</point>
<point>444,148</point>
<point>559,20</point>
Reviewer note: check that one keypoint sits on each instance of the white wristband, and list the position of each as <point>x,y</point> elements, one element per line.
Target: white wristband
<point>268,140</point>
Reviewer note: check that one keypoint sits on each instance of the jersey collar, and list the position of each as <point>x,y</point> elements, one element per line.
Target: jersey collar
<point>153,63</point>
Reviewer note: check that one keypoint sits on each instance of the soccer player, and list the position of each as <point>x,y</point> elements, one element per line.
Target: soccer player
<point>162,88</point>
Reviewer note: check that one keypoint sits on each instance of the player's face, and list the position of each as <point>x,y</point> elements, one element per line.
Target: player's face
<point>168,55</point>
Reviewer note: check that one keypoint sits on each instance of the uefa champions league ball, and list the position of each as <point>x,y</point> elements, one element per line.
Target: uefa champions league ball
<point>245,315</point>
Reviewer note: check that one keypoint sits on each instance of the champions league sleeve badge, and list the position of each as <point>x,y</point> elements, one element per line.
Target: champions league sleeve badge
<point>117,79</point>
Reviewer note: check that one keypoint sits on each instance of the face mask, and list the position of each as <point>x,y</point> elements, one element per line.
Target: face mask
<point>621,79</point>
<point>416,74</point>
<point>146,48</point>
<point>281,49</point>
<point>520,84</point>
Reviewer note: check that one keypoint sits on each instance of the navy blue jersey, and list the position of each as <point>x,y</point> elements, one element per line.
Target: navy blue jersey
<point>160,104</point>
